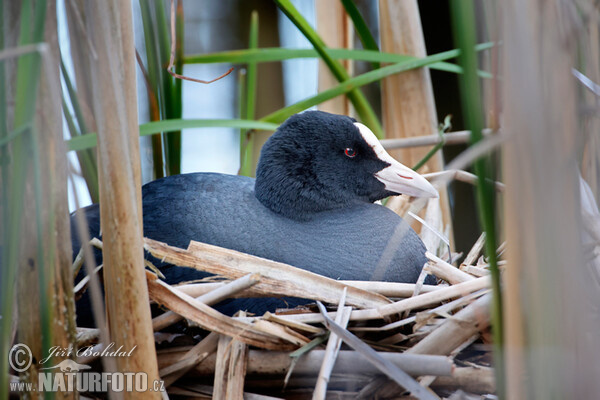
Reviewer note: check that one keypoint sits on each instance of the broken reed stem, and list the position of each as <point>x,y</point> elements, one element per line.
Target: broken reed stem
<point>422,300</point>
<point>263,363</point>
<point>396,374</point>
<point>194,356</point>
<point>445,271</point>
<point>459,137</point>
<point>475,251</point>
<point>218,294</point>
<point>456,330</point>
<point>387,289</point>
<point>442,178</point>
<point>331,351</point>
<point>278,279</point>
<point>209,318</point>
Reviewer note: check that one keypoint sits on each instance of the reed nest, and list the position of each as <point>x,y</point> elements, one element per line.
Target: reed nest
<point>371,340</point>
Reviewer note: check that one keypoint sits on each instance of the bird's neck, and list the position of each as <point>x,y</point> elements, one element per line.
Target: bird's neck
<point>295,199</point>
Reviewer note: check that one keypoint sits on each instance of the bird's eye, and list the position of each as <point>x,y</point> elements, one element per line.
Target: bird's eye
<point>350,152</point>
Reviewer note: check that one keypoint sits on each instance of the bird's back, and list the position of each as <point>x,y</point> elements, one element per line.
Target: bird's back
<point>364,242</point>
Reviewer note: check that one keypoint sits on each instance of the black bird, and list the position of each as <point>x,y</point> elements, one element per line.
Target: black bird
<point>310,206</point>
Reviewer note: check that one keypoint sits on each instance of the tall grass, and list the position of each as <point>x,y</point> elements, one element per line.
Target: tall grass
<point>165,90</point>
<point>16,174</point>
<point>248,101</point>
<point>464,28</point>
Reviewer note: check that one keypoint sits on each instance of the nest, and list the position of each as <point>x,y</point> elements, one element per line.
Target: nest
<point>373,340</point>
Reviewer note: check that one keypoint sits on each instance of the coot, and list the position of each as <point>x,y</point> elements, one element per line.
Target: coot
<point>311,206</point>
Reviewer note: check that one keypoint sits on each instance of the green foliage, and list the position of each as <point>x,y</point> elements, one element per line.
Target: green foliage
<point>279,54</point>
<point>249,101</point>
<point>89,140</point>
<point>77,127</point>
<point>165,89</point>
<point>364,33</point>
<point>353,83</point>
<point>359,101</point>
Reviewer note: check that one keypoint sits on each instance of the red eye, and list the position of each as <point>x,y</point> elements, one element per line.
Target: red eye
<point>350,152</point>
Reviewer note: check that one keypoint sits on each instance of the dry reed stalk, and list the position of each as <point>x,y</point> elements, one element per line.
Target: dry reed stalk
<point>194,356</point>
<point>195,394</point>
<point>46,253</point>
<point>442,178</point>
<point>281,331</point>
<point>58,234</point>
<point>236,373</point>
<point>590,165</point>
<point>332,350</point>
<point>387,289</point>
<point>456,330</point>
<point>86,336</point>
<point>445,271</point>
<point>292,324</point>
<point>393,372</point>
<point>470,379</point>
<point>334,28</point>
<point>475,271</point>
<point>474,252</point>
<point>210,319</point>
<point>81,286</point>
<point>458,137</point>
<point>399,204</point>
<point>422,317</point>
<point>542,210</point>
<point>210,298</point>
<point>407,98</point>
<point>422,300</point>
<point>331,353</point>
<point>109,24</point>
<point>433,218</point>
<point>221,367</point>
<point>277,278</point>
<point>264,363</point>
<point>198,391</point>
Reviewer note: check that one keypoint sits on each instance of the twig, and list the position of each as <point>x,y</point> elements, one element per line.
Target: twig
<point>332,350</point>
<point>587,82</point>
<point>419,318</point>
<point>391,370</point>
<point>473,153</point>
<point>458,137</point>
<point>80,287</point>
<point>209,318</point>
<point>454,331</point>
<point>445,271</point>
<point>474,380</point>
<point>210,298</point>
<point>388,289</point>
<point>172,58</point>
<point>194,356</point>
<point>261,362</point>
<point>277,278</point>
<point>474,252</point>
<point>444,177</point>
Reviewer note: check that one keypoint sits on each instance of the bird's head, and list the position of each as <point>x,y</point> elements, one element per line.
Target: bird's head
<point>317,161</point>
